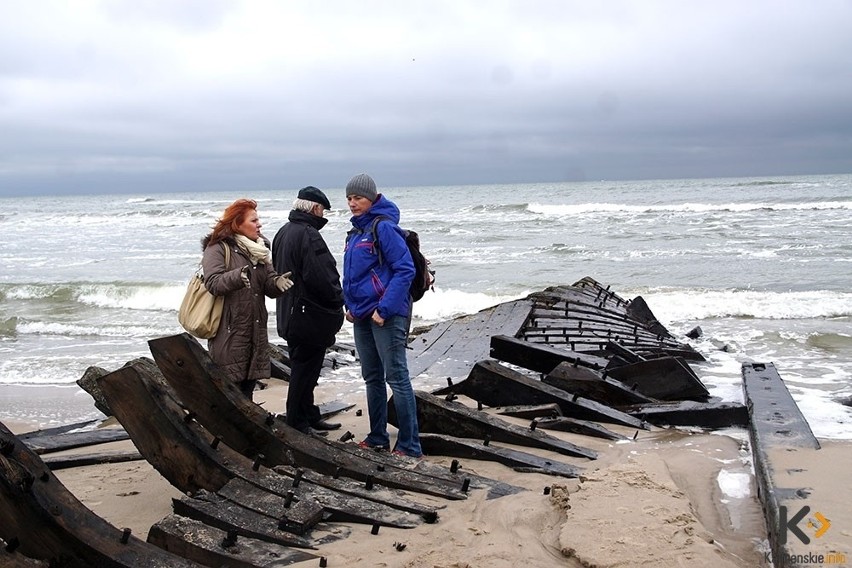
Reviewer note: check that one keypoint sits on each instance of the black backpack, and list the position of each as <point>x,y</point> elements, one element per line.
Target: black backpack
<point>424,277</point>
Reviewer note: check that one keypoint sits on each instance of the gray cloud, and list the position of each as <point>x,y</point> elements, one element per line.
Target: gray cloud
<point>191,95</point>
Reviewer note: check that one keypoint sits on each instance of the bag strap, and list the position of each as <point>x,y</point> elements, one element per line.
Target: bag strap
<point>376,247</point>
<point>227,254</point>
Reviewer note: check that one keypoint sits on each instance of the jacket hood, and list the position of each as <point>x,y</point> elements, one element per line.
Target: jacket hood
<point>382,206</point>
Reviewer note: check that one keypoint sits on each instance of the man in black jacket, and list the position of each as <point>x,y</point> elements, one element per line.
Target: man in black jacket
<point>310,315</point>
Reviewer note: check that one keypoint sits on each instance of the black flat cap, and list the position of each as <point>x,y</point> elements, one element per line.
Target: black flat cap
<point>311,193</point>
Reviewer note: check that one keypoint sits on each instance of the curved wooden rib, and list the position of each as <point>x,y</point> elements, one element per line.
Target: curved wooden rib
<point>247,428</point>
<point>192,459</point>
<point>50,524</point>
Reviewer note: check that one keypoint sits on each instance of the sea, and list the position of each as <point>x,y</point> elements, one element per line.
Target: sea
<point>763,266</point>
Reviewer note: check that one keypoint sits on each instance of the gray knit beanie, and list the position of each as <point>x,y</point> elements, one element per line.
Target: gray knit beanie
<point>362,185</point>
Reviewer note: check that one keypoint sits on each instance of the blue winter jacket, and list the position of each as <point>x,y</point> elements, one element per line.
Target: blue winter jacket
<point>368,284</point>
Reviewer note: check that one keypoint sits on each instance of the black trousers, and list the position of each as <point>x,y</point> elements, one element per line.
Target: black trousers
<point>305,366</point>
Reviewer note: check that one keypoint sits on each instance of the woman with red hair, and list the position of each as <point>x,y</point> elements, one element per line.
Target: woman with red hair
<point>241,345</point>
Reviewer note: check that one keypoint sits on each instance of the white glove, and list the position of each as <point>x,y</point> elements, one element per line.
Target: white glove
<point>283,282</point>
<point>244,274</point>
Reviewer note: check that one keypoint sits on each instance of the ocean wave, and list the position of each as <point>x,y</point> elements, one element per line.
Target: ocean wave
<point>9,327</point>
<point>831,342</point>
<point>82,330</point>
<point>759,183</point>
<point>591,208</point>
<point>131,296</point>
<point>685,305</point>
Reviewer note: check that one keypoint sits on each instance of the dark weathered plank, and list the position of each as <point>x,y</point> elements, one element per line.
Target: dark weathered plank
<point>665,378</point>
<point>271,499</point>
<point>451,350</point>
<point>475,449</point>
<point>529,411</point>
<point>539,358</point>
<point>56,430</point>
<point>497,385</point>
<point>10,558</point>
<point>593,385</point>
<point>296,514</point>
<point>350,501</point>
<point>776,424</point>
<point>67,461</point>
<point>438,416</point>
<point>691,413</point>
<point>50,524</point>
<point>210,546</point>
<point>226,515</point>
<point>66,441</point>
<point>584,427</point>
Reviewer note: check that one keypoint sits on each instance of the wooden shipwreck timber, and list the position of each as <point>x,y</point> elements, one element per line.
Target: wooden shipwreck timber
<point>576,359</point>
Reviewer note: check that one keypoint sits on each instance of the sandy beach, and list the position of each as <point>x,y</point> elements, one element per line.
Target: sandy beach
<point>669,497</point>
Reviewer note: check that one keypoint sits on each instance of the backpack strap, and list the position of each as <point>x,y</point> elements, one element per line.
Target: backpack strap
<point>376,248</point>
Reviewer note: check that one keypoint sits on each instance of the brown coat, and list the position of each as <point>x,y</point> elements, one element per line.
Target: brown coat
<point>241,346</point>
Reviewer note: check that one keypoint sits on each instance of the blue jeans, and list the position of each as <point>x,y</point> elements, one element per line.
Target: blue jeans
<point>383,363</point>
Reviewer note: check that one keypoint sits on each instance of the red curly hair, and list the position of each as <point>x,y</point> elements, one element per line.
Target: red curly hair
<point>233,217</point>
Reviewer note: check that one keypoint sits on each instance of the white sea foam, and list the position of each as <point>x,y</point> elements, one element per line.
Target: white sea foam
<point>734,484</point>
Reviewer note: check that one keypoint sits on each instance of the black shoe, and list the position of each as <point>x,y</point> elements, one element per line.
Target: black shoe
<point>324,425</point>
<point>313,432</point>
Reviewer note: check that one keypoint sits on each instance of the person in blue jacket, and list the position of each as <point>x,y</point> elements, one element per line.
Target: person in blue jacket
<point>377,273</point>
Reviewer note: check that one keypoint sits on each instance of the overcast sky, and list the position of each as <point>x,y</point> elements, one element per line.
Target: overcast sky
<point>145,96</point>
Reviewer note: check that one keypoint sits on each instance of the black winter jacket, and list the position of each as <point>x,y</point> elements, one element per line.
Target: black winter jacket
<point>299,248</point>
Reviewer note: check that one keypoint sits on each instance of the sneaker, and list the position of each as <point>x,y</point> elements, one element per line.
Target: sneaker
<point>368,446</point>
<point>401,454</point>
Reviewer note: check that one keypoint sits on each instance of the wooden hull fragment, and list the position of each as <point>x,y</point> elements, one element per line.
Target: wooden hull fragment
<point>594,386</point>
<point>584,427</point>
<point>665,378</point>
<point>497,385</point>
<point>692,413</point>
<point>438,416</point>
<point>440,444</point>
<point>193,460</point>
<point>246,427</point>
<point>211,546</point>
<point>50,524</point>
<point>538,357</point>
